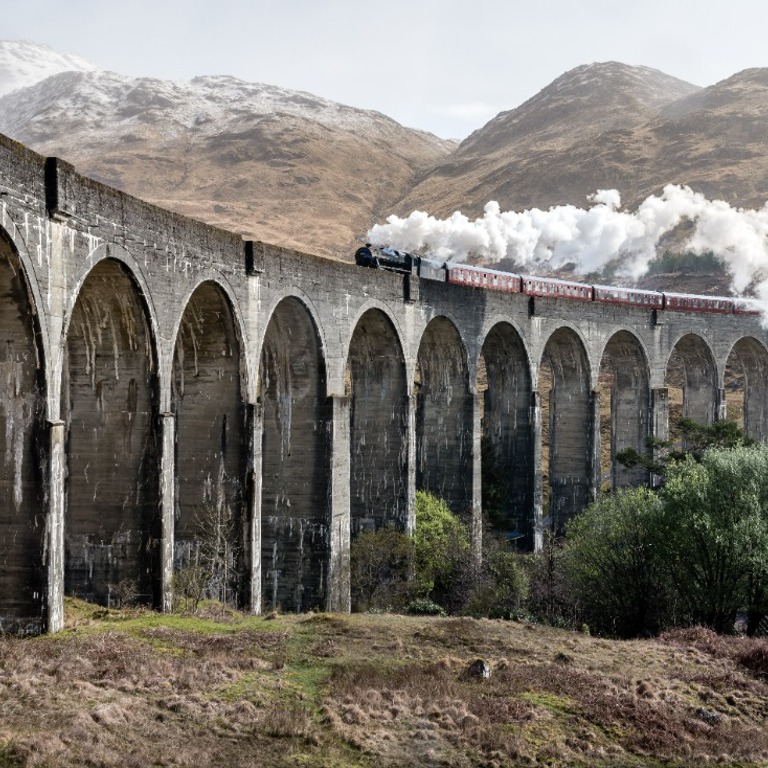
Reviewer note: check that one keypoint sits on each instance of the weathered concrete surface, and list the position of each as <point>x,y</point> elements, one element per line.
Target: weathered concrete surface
<point>507,424</point>
<point>157,372</point>
<point>295,462</point>
<point>624,386</point>
<point>22,516</point>
<point>379,419</point>
<point>109,403</point>
<point>211,445</point>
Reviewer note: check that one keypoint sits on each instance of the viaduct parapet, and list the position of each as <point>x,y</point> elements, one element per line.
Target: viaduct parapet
<point>166,385</point>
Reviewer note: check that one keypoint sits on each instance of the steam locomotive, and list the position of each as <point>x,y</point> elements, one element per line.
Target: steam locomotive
<point>386,257</point>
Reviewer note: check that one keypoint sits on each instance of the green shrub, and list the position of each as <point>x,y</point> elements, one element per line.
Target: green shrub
<point>501,588</point>
<point>423,606</point>
<point>613,564</point>
<point>442,552</point>
<point>380,570</point>
<point>714,535</point>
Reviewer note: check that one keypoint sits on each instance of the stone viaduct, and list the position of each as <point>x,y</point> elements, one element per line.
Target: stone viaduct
<point>164,381</point>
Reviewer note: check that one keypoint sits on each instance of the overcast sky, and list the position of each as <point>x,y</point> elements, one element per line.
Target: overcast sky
<point>445,66</point>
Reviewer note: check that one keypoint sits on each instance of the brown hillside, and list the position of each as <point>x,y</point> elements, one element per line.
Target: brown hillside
<point>129,688</point>
<point>305,172</point>
<point>611,126</point>
<point>272,164</point>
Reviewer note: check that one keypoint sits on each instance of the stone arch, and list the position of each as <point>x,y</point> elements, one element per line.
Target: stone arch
<point>22,435</point>
<point>378,391</point>
<point>691,380</point>
<point>117,254</point>
<point>746,387</point>
<point>444,416</point>
<point>211,443</point>
<point>295,461</point>
<point>504,380</point>
<point>296,296</point>
<point>624,395</point>
<point>109,402</point>
<point>396,326</point>
<point>566,427</point>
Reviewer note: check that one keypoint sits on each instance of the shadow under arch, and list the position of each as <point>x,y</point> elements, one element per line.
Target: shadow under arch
<point>110,406</point>
<point>295,453</point>
<point>691,380</point>
<point>211,444</point>
<point>566,421</point>
<point>444,413</point>
<point>378,391</point>
<point>504,380</point>
<point>22,448</point>
<point>746,388</point>
<point>624,393</point>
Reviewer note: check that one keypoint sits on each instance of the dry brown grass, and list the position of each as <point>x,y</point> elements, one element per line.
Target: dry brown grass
<point>362,690</point>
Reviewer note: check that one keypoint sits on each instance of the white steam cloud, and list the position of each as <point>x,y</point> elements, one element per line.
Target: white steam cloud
<point>592,238</point>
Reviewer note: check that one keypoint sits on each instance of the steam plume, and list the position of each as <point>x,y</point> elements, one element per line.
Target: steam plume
<point>592,238</point>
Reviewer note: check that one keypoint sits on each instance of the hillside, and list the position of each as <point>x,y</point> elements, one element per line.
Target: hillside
<point>305,172</point>
<point>131,688</point>
<point>610,126</point>
<point>270,163</point>
<point>24,63</point>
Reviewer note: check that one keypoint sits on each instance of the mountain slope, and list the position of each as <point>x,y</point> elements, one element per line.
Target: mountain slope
<point>270,163</point>
<point>23,63</point>
<point>525,157</point>
<point>616,127</point>
<point>306,172</point>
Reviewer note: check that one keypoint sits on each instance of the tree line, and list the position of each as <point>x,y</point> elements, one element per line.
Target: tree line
<point>636,562</point>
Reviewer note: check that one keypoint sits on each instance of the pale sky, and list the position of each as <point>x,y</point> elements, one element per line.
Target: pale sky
<point>445,66</point>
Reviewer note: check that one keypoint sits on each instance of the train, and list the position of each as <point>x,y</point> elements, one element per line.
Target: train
<point>388,258</point>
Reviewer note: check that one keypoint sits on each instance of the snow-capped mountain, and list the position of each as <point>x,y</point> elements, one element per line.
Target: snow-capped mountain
<point>23,63</point>
<point>104,106</point>
<point>302,171</point>
<point>268,162</point>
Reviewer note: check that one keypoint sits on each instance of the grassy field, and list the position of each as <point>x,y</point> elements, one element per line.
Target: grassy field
<point>134,688</point>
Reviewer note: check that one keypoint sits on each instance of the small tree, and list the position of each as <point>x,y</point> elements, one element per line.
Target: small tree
<point>714,534</point>
<point>551,598</point>
<point>501,588</point>
<point>614,565</point>
<point>442,552</point>
<point>380,566</point>
<point>210,567</point>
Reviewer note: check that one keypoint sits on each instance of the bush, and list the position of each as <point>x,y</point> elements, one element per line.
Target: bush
<point>380,565</point>
<point>423,606</point>
<point>613,564</point>
<point>502,587</point>
<point>442,551</point>
<point>389,569</point>
<point>714,535</point>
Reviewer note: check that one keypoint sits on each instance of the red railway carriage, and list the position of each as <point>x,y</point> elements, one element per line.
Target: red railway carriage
<point>385,257</point>
<point>743,306</point>
<point>556,289</point>
<point>490,279</point>
<point>634,297</point>
<point>688,302</point>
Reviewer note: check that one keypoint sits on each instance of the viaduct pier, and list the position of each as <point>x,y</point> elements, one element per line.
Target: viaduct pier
<point>162,378</point>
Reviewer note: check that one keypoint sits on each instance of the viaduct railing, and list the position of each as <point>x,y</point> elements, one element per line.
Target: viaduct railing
<point>168,387</point>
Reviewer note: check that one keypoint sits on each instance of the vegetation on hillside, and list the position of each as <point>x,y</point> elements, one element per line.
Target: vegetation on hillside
<point>210,685</point>
<point>134,688</point>
<point>634,564</point>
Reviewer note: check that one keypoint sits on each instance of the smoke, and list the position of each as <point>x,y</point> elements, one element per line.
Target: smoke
<point>591,238</point>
